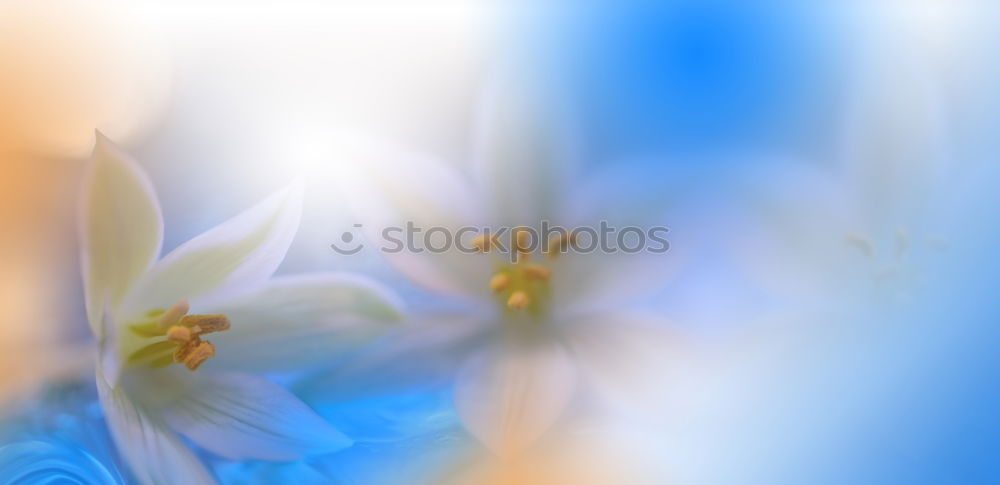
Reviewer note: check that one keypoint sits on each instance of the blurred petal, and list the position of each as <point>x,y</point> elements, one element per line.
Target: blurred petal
<point>584,283</point>
<point>243,250</point>
<point>239,416</point>
<point>522,162</point>
<point>408,460</point>
<point>121,228</point>
<point>895,142</point>
<point>591,453</point>
<point>796,227</point>
<point>396,189</point>
<point>394,417</point>
<point>625,359</point>
<point>299,321</point>
<point>509,397</point>
<point>108,358</point>
<point>629,192</point>
<point>637,255</point>
<point>155,454</point>
<point>422,355</point>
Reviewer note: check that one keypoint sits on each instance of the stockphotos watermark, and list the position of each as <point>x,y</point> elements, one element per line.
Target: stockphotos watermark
<point>510,240</point>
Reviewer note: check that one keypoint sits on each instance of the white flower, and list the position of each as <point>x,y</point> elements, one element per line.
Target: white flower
<point>541,330</point>
<point>208,306</point>
<point>867,223</point>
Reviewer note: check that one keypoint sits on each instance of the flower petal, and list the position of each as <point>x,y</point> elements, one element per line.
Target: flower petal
<point>625,250</point>
<point>109,360</point>
<point>394,190</point>
<point>421,356</point>
<point>155,455</point>
<point>895,142</point>
<point>592,452</point>
<point>240,416</point>
<point>299,321</point>
<point>243,250</point>
<point>121,228</point>
<point>625,359</point>
<point>584,283</point>
<point>523,155</point>
<point>803,234</point>
<point>510,396</point>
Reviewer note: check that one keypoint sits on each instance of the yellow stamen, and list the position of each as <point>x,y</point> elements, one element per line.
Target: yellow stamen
<point>522,241</point>
<point>537,272</point>
<point>483,243</point>
<point>198,355</point>
<point>174,314</point>
<point>519,283</point>
<point>561,243</point>
<point>480,242</point>
<point>517,300</point>
<point>178,334</point>
<point>499,282</point>
<point>202,324</point>
<point>554,246</point>
<point>862,243</point>
<point>185,349</point>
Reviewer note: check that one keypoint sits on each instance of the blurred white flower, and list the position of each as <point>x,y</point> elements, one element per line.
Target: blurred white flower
<point>543,328</point>
<point>865,223</point>
<point>149,314</point>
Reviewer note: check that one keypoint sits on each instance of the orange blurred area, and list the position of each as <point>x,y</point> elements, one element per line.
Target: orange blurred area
<point>36,252</point>
<point>70,67</point>
<point>66,69</point>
